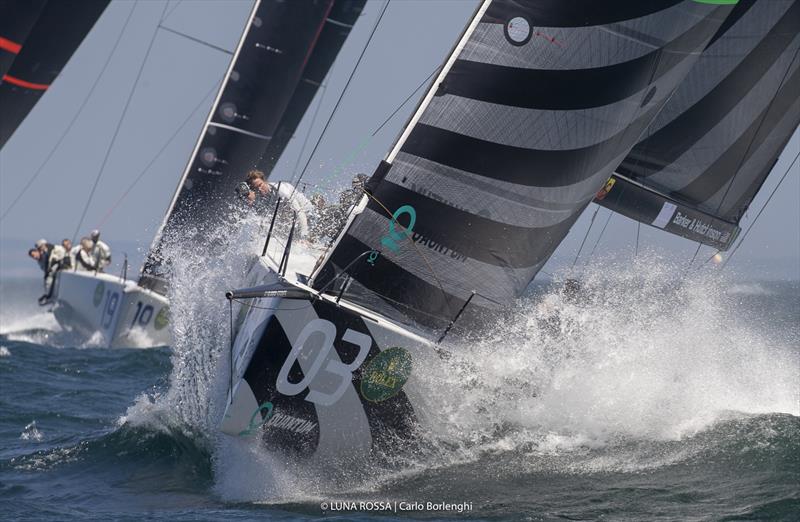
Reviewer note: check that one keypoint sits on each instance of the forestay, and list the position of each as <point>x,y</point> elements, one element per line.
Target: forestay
<point>709,151</point>
<point>534,109</point>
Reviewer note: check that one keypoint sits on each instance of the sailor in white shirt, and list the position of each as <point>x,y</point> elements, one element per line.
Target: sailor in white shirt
<point>261,190</point>
<point>101,253</point>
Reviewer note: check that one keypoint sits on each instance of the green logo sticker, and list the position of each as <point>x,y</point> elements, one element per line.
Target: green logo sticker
<point>386,374</point>
<point>99,290</point>
<point>162,318</point>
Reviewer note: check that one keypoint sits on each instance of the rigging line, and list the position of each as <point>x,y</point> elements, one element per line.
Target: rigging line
<point>341,96</point>
<point>158,155</point>
<point>116,131</point>
<point>758,130</point>
<point>363,144</point>
<point>610,215</point>
<point>420,86</point>
<point>310,128</point>
<point>709,259</point>
<point>164,19</point>
<point>788,170</point>
<point>636,249</point>
<point>74,118</point>
<point>580,249</point>
<point>691,262</point>
<point>196,40</point>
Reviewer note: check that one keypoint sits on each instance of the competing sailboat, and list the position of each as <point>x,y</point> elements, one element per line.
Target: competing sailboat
<point>541,107</point>
<point>285,52</point>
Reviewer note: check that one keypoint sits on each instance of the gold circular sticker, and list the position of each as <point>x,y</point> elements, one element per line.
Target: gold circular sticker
<point>386,374</point>
<point>162,318</point>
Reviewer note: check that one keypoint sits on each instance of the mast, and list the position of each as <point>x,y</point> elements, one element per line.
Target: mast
<point>522,127</point>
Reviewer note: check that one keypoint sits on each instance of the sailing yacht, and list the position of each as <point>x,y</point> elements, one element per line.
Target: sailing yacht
<point>282,57</point>
<point>670,112</point>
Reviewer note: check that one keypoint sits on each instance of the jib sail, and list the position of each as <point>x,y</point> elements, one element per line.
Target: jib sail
<point>708,152</point>
<point>51,42</point>
<point>282,57</point>
<point>535,108</point>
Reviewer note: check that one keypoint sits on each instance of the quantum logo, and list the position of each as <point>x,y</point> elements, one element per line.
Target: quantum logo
<point>394,236</point>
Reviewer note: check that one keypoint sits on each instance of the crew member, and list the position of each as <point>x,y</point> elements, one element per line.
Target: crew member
<point>262,194</point>
<point>101,253</point>
<point>350,197</point>
<point>84,260</point>
<point>49,257</point>
<point>69,260</point>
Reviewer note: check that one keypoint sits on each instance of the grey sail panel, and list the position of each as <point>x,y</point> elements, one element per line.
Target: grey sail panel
<point>518,133</point>
<point>716,140</point>
<point>261,95</point>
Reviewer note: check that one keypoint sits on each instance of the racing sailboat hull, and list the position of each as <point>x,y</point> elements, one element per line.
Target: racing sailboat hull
<point>322,379</point>
<point>120,312</point>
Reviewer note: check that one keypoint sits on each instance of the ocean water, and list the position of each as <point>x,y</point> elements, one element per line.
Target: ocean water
<point>643,400</point>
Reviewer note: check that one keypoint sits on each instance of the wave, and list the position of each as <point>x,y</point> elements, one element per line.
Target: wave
<point>629,377</point>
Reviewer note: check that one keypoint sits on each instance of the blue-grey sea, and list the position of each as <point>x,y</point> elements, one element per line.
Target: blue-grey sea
<point>652,404</point>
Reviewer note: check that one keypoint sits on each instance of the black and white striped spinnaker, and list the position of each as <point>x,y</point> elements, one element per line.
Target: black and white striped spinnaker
<point>710,149</point>
<point>537,105</point>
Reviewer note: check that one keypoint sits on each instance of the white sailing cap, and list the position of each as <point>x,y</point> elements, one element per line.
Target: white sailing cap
<point>42,242</point>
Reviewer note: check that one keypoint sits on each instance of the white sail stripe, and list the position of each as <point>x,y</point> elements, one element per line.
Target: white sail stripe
<point>538,129</point>
<point>446,185</point>
<point>705,151</point>
<point>241,131</point>
<point>544,217</point>
<point>759,158</point>
<point>718,61</point>
<point>442,74</point>
<point>523,195</point>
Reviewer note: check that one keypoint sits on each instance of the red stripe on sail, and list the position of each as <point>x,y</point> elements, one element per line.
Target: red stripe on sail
<point>23,83</point>
<point>8,45</point>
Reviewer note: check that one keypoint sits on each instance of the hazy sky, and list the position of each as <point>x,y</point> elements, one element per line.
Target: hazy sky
<point>178,76</point>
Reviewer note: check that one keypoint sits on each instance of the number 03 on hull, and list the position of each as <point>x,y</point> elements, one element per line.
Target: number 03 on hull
<point>316,377</point>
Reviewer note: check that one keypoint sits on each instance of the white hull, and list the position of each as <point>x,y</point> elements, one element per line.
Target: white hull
<point>320,379</point>
<point>120,312</point>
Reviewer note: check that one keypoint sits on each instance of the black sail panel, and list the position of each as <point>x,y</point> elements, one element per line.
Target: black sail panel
<point>711,148</point>
<point>259,94</point>
<point>342,17</point>
<point>56,35</point>
<point>16,21</point>
<point>534,110</point>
